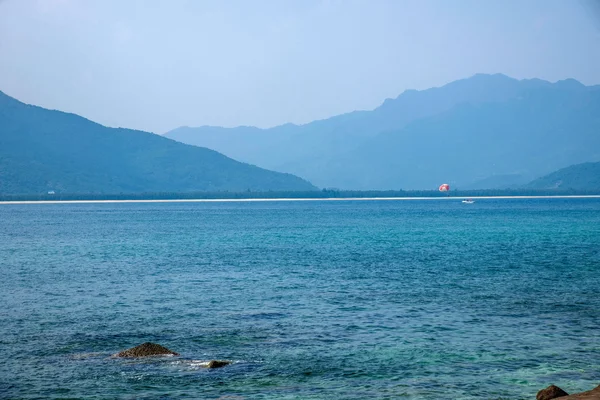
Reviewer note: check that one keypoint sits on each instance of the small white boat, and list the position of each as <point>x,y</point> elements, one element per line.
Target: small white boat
<point>468,201</point>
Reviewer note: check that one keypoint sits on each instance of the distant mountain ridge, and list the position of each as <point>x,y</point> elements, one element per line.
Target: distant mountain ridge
<point>465,132</point>
<point>45,150</point>
<point>584,176</point>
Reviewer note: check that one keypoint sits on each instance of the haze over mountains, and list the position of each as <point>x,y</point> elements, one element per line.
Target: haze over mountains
<point>45,150</point>
<point>484,132</point>
<point>488,131</point>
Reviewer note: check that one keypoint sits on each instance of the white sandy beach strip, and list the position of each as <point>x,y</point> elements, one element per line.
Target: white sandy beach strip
<point>293,199</point>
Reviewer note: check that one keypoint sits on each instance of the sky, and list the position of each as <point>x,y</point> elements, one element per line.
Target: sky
<point>156,65</point>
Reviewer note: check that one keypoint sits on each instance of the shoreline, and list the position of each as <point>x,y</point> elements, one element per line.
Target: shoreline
<point>287,199</point>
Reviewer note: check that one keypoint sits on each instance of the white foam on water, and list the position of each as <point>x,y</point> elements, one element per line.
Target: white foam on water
<point>197,364</point>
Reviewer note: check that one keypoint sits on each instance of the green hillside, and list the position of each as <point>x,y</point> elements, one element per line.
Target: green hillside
<point>43,150</point>
<point>584,176</point>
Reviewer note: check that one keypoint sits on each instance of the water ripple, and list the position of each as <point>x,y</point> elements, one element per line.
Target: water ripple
<point>350,300</point>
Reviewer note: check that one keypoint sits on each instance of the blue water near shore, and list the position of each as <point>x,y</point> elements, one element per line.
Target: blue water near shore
<point>311,300</point>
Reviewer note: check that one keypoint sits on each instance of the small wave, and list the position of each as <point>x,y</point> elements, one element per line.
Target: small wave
<point>84,356</point>
<point>199,364</point>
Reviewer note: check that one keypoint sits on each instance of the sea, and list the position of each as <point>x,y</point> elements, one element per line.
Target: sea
<point>413,299</point>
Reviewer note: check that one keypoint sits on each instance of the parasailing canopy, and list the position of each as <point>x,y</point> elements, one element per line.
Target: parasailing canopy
<point>444,187</point>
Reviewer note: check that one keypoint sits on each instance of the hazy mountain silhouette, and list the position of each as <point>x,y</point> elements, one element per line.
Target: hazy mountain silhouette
<point>585,176</point>
<point>510,181</point>
<point>42,150</point>
<point>465,132</point>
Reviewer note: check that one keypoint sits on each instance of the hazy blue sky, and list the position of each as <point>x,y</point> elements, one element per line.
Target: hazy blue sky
<point>156,65</point>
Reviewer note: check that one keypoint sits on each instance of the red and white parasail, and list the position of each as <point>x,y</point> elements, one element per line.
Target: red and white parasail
<point>444,187</point>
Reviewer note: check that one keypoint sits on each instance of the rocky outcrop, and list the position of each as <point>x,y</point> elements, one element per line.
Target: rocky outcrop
<point>554,392</point>
<point>593,394</point>
<point>145,350</point>
<point>152,349</point>
<point>217,363</point>
<point>551,392</point>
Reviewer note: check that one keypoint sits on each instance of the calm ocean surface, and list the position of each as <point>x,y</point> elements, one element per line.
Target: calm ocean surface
<point>311,300</point>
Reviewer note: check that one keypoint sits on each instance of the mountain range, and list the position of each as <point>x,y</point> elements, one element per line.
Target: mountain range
<point>584,176</point>
<point>484,132</point>
<point>45,150</point>
<point>488,131</point>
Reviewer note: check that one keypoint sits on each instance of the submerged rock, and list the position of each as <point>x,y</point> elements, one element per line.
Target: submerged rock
<point>217,363</point>
<point>145,350</point>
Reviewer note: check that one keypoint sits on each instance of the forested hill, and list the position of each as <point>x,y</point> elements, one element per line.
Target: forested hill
<point>585,176</point>
<point>45,150</point>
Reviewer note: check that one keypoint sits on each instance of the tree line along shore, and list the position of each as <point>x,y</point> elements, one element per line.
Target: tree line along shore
<point>312,194</point>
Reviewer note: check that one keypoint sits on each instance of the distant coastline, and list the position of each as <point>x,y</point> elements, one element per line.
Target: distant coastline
<point>265,197</point>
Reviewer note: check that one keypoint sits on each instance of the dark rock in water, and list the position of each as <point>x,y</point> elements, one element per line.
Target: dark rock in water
<point>145,350</point>
<point>551,392</point>
<point>554,392</point>
<point>217,363</point>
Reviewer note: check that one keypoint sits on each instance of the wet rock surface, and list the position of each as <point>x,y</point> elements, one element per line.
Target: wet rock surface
<point>145,350</point>
<point>551,392</point>
<point>217,363</point>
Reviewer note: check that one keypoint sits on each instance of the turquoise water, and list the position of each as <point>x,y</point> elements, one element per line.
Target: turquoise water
<point>311,300</point>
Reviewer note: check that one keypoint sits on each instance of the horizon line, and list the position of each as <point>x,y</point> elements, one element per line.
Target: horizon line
<point>287,199</point>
